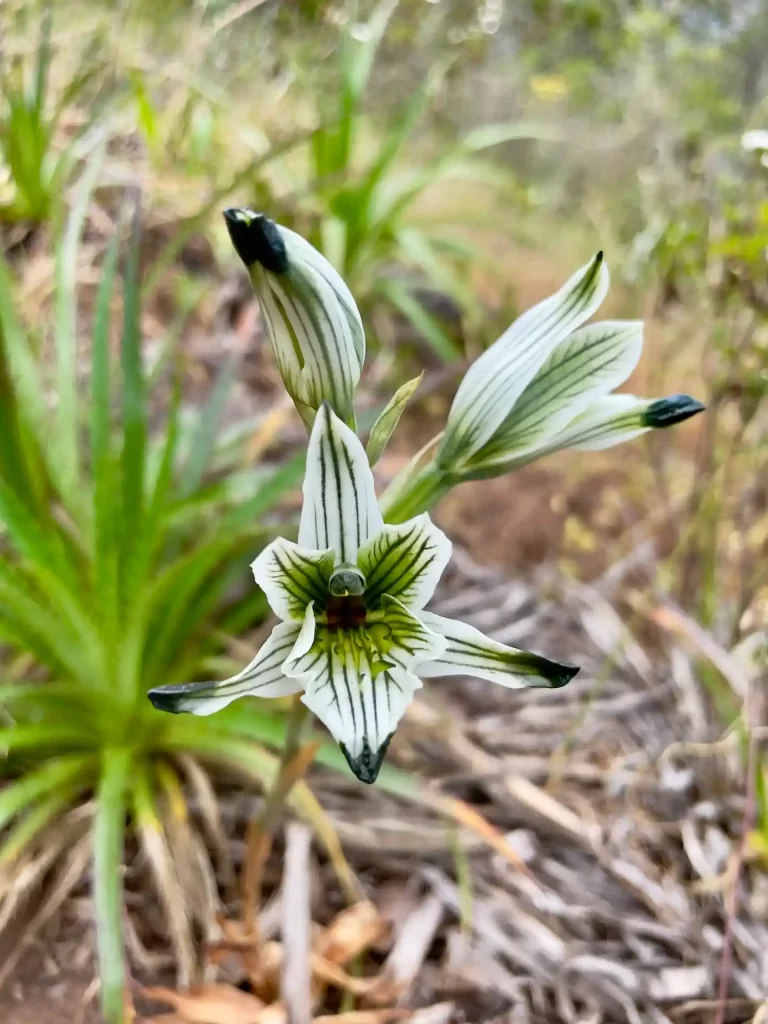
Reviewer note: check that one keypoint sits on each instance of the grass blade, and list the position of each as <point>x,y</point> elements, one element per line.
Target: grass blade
<point>134,411</point>
<point>203,439</point>
<point>66,432</point>
<point>58,772</point>
<point>403,300</point>
<point>108,832</point>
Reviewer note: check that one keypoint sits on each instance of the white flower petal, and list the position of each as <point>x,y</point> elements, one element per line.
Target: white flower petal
<point>300,250</point>
<point>312,320</point>
<point>340,509</point>
<point>470,653</point>
<point>607,421</point>
<point>360,712</point>
<point>359,682</point>
<point>404,561</point>
<point>496,380</point>
<point>292,577</point>
<point>589,363</point>
<point>616,418</point>
<point>262,678</point>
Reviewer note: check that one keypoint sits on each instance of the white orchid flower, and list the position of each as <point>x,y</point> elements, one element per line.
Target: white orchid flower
<point>354,635</point>
<point>312,320</point>
<point>546,383</point>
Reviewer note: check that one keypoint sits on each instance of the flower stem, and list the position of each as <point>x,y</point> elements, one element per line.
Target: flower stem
<point>419,493</point>
<point>261,827</point>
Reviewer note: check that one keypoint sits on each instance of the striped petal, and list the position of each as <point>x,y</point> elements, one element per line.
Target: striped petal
<point>361,714</point>
<point>496,380</point>
<point>469,652</point>
<point>312,320</point>
<point>617,418</point>
<point>340,509</point>
<point>262,678</point>
<point>606,422</point>
<point>589,363</point>
<point>292,577</point>
<point>404,561</point>
<point>360,682</point>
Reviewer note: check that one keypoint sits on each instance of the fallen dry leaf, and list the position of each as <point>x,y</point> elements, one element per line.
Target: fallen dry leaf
<point>164,1018</point>
<point>365,1017</point>
<point>330,973</point>
<point>210,1004</point>
<point>350,933</point>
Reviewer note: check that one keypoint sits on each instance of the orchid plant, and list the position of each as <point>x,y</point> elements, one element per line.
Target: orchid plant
<point>354,636</point>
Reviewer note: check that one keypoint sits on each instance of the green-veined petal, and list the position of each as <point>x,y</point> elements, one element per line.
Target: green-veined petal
<point>469,652</point>
<point>607,421</point>
<point>262,678</point>
<point>359,682</point>
<point>292,577</point>
<point>404,561</point>
<point>340,509</point>
<point>312,320</point>
<point>361,715</point>
<point>589,363</point>
<point>299,249</point>
<point>496,380</point>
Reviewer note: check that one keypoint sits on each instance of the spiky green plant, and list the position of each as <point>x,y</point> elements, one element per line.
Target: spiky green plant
<point>360,213</point>
<point>35,167</point>
<point>118,555</point>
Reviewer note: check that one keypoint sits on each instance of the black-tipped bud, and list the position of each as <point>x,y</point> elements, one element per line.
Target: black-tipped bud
<point>665,412</point>
<point>367,765</point>
<point>256,239</point>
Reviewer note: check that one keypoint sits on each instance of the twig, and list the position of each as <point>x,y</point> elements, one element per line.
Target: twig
<point>748,824</point>
<point>260,829</point>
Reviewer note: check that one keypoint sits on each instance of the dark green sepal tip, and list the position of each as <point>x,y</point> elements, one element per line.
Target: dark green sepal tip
<point>367,765</point>
<point>169,698</point>
<point>256,239</point>
<point>666,412</point>
<point>561,675</point>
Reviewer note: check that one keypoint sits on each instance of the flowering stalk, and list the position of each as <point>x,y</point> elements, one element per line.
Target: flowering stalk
<point>354,636</point>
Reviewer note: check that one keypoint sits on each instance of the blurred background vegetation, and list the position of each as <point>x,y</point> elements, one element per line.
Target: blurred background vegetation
<point>456,160</point>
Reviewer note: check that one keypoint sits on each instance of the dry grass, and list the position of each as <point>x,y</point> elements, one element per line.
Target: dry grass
<point>619,793</point>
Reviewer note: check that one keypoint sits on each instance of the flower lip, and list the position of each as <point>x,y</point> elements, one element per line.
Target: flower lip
<point>367,765</point>
<point>256,239</point>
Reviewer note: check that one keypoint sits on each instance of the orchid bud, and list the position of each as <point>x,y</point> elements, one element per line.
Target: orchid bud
<point>312,320</point>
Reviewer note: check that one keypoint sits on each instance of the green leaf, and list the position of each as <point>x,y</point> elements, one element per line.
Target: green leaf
<point>385,425</point>
<point>34,821</point>
<point>105,515</point>
<point>267,495</point>
<point>402,298</point>
<point>60,771</point>
<point>65,437</point>
<point>202,441</point>
<point>108,832</point>
<point>134,412</point>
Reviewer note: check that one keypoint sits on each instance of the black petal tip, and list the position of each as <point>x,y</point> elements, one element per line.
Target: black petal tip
<point>256,239</point>
<point>563,675</point>
<point>169,698</point>
<point>367,765</point>
<point>666,412</point>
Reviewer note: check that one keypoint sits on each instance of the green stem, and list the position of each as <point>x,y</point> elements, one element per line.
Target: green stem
<point>282,783</point>
<point>260,829</point>
<point>419,493</point>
